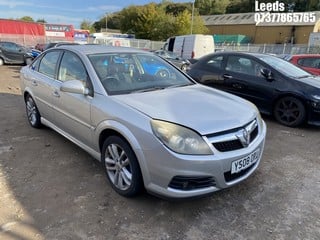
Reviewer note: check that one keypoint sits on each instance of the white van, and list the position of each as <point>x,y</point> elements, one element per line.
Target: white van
<point>190,46</point>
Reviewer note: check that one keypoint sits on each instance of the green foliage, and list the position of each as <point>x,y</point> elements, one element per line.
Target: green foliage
<point>41,20</point>
<point>158,22</point>
<point>86,25</point>
<point>27,19</point>
<point>209,7</point>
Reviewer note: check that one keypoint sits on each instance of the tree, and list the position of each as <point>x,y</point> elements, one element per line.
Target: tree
<point>86,25</point>
<point>27,19</point>
<point>155,21</point>
<point>41,20</point>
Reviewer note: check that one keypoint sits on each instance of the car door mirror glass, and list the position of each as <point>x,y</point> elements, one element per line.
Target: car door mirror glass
<point>74,86</point>
<point>267,73</point>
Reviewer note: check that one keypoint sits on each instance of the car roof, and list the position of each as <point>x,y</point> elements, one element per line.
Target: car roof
<point>306,55</point>
<point>87,49</point>
<point>257,55</point>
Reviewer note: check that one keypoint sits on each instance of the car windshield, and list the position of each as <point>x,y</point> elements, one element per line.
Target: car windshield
<point>285,67</point>
<point>123,73</point>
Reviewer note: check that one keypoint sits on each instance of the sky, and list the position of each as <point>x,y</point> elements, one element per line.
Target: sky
<point>66,11</point>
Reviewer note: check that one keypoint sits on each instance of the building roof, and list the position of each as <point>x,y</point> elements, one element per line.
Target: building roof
<point>249,18</point>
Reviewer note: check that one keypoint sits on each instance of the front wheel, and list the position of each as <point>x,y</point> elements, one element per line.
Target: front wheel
<point>33,114</point>
<point>290,111</point>
<point>121,166</point>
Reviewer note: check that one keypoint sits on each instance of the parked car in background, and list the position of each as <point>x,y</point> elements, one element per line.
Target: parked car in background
<point>13,53</point>
<point>190,46</point>
<point>309,62</point>
<point>57,44</point>
<point>166,133</point>
<point>180,62</point>
<point>276,86</point>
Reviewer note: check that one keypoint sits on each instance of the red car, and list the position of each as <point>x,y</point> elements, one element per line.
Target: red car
<point>309,62</point>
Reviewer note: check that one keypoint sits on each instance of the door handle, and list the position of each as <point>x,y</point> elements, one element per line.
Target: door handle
<point>56,93</point>
<point>227,76</point>
<point>237,85</point>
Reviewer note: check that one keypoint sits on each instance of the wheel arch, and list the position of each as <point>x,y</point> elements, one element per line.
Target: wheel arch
<point>114,128</point>
<point>295,95</point>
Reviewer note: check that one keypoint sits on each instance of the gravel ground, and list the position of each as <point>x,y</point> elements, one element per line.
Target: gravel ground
<point>51,189</point>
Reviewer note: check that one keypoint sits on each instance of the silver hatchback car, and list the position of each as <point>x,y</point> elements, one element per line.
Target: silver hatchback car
<point>149,124</point>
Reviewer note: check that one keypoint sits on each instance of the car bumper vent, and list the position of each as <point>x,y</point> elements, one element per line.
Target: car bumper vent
<point>191,183</point>
<point>230,177</point>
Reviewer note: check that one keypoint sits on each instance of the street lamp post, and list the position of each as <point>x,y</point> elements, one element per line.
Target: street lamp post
<point>106,22</point>
<point>192,15</point>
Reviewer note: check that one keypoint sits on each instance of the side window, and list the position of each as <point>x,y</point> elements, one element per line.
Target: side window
<point>309,62</point>
<point>244,65</point>
<point>10,47</point>
<point>48,63</point>
<point>71,68</point>
<point>215,62</point>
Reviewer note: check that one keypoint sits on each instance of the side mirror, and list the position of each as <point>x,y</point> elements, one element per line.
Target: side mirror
<point>267,73</point>
<point>74,86</point>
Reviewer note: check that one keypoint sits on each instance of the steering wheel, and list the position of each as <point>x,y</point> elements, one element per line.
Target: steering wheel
<point>110,83</point>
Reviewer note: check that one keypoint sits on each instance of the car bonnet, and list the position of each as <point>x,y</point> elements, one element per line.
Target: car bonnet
<point>197,107</point>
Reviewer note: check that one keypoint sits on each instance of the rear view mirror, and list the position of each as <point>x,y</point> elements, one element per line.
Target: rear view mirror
<point>74,86</point>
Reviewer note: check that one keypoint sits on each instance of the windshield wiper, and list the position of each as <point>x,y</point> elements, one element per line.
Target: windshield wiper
<point>304,76</point>
<point>179,85</point>
<point>148,89</point>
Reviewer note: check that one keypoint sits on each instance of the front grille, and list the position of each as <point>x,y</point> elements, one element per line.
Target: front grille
<point>228,145</point>
<point>191,182</point>
<point>230,177</point>
<point>254,134</point>
<point>234,144</point>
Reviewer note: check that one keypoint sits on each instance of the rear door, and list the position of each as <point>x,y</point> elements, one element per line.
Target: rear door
<point>40,78</point>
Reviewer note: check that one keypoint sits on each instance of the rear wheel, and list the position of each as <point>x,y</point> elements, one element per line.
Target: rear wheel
<point>33,114</point>
<point>121,166</point>
<point>290,111</point>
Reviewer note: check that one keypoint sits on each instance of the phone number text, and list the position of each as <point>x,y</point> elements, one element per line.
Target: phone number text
<point>295,17</point>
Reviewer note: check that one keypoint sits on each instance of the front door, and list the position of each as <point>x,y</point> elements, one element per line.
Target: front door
<point>71,110</point>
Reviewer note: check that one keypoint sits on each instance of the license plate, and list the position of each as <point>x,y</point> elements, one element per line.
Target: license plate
<point>243,163</point>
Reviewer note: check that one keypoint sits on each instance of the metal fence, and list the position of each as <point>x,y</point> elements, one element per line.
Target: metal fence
<point>31,41</point>
<point>270,48</point>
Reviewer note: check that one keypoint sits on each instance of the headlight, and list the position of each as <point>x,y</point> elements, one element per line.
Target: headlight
<point>180,139</point>
<point>317,97</point>
<point>315,103</point>
<point>259,119</point>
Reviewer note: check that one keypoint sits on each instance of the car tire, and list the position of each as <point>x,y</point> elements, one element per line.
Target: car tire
<point>121,166</point>
<point>34,117</point>
<point>184,67</point>
<point>290,111</point>
<point>1,62</point>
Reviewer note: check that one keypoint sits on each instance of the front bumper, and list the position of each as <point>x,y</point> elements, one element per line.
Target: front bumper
<point>173,175</point>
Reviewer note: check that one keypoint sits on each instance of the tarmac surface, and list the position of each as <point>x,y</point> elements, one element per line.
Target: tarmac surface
<point>52,189</point>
